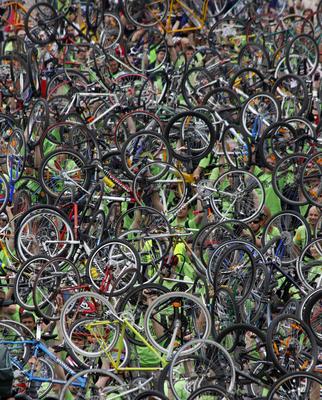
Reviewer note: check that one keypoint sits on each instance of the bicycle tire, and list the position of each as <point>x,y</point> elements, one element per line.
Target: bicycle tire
<point>222,264</point>
<point>166,297</point>
<point>289,55</point>
<point>24,245</point>
<point>287,183</point>
<point>54,189</point>
<point>207,140</point>
<point>254,195</point>
<point>313,300</point>
<point>33,71</point>
<point>291,91</point>
<point>220,357</point>
<point>38,121</point>
<point>295,383</point>
<point>33,32</point>
<point>95,372</point>
<point>94,13</point>
<point>4,192</point>
<point>310,176</point>
<point>212,391</point>
<point>24,354</point>
<point>51,273</point>
<point>277,349</point>
<point>143,147</point>
<point>138,8</point>
<point>108,312</point>
<point>135,298</point>
<point>22,286</point>
<point>100,278</point>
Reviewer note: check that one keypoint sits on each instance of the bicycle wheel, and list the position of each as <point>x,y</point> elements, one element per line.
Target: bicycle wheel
<point>191,135</point>
<point>254,56</point>
<point>108,261</point>
<point>292,93</point>
<point>136,303</point>
<point>224,310</point>
<point>294,233</point>
<point>24,281</point>
<point>287,179</point>
<point>14,76</point>
<point>236,147</point>
<point>196,83</point>
<point>224,102</point>
<point>311,313</point>
<point>16,154</point>
<point>151,395</point>
<point>145,13</point>
<point>64,83</point>
<point>278,140</point>
<point>142,46</point>
<point>291,345</point>
<point>234,268</point>
<point>237,195</point>
<point>296,385</point>
<point>211,392</point>
<point>143,148</point>
<point>212,365</point>
<point>94,13</point>
<point>41,23</point>
<point>309,265</point>
<point>13,338</point>
<point>302,55</point>
<point>94,231</point>
<point>248,81</point>
<point>174,318</point>
<point>311,179</point>
<point>33,70</point>
<point>38,121</point>
<point>52,281</point>
<point>62,169</point>
<point>110,31</point>
<point>246,345</point>
<point>133,122</point>
<point>149,232</point>
<point>212,235</point>
<point>95,383</point>
<point>259,112</point>
<point>44,371</point>
<point>161,186</point>
<point>4,192</point>
<point>44,231</point>
<point>92,316</point>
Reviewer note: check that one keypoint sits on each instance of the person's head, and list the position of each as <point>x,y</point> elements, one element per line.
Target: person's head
<point>189,52</point>
<point>113,66</point>
<point>313,215</point>
<point>28,320</point>
<point>161,52</point>
<point>3,220</point>
<point>183,213</point>
<point>261,219</point>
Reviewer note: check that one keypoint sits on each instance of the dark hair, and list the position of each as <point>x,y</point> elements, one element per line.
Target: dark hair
<point>27,314</point>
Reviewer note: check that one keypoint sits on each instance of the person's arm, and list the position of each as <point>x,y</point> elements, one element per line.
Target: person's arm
<point>171,47</point>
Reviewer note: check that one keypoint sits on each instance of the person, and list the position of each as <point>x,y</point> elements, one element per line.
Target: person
<point>258,224</point>
<point>300,238</point>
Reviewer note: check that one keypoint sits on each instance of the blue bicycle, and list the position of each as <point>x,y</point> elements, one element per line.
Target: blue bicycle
<point>33,361</point>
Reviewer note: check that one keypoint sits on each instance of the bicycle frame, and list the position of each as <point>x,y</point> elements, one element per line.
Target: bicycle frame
<point>40,347</point>
<point>198,20</point>
<point>116,364</point>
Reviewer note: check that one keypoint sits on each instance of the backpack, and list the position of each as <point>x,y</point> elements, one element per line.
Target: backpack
<point>6,373</point>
